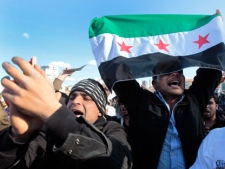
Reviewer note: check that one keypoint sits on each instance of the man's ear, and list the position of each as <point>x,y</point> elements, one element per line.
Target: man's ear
<point>217,106</point>
<point>154,83</point>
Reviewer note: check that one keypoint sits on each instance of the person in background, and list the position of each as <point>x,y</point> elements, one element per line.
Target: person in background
<point>3,103</point>
<point>122,115</point>
<point>110,110</point>
<point>221,107</point>
<point>221,100</point>
<point>57,84</point>
<point>212,118</point>
<point>45,134</point>
<point>211,151</point>
<point>4,120</point>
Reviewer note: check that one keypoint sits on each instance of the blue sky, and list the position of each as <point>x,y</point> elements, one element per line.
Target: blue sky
<point>57,31</point>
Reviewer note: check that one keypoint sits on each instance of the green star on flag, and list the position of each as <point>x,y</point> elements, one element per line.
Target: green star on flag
<point>136,46</point>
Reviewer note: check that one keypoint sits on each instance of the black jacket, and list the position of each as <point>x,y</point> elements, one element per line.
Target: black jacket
<point>69,142</point>
<point>220,121</point>
<point>4,120</point>
<point>149,118</point>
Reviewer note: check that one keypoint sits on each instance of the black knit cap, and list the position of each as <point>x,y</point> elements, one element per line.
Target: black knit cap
<point>93,89</point>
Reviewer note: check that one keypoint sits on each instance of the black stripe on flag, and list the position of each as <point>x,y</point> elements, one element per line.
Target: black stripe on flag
<point>122,68</point>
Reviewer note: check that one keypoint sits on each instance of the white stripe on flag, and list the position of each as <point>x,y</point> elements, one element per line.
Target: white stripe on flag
<point>105,47</point>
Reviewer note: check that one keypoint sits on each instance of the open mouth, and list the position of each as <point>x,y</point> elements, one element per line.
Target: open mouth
<point>174,83</point>
<point>206,113</point>
<point>77,112</point>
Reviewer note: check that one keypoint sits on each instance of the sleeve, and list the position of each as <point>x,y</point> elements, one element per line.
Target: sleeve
<point>57,83</point>
<point>117,139</point>
<point>4,120</point>
<point>204,85</point>
<point>129,99</point>
<point>80,147</point>
<point>10,151</point>
<point>205,154</point>
<point>81,140</point>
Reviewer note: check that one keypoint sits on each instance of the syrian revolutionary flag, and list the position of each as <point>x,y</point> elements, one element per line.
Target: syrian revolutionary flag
<point>135,46</point>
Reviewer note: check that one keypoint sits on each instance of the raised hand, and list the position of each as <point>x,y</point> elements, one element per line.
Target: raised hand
<point>68,72</point>
<point>23,126</point>
<point>31,93</point>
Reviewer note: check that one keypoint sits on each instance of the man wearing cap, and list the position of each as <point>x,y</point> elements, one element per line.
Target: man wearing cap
<point>46,134</point>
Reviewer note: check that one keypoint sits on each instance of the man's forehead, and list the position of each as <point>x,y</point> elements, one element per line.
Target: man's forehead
<point>179,71</point>
<point>77,92</point>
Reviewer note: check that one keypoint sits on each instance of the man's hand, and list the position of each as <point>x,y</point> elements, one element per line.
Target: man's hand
<point>68,72</point>
<point>31,92</point>
<point>23,126</point>
<point>218,12</point>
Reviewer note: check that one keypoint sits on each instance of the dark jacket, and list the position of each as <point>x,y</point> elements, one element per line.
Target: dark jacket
<point>4,120</point>
<point>149,118</point>
<point>65,141</point>
<point>118,120</point>
<point>220,121</point>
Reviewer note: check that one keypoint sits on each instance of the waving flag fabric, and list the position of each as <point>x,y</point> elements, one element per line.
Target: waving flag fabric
<point>135,46</point>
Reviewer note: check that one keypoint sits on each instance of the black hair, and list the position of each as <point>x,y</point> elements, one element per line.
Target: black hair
<point>216,98</point>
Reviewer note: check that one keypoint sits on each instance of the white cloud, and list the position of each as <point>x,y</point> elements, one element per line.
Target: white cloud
<point>92,62</point>
<point>60,64</point>
<point>70,79</point>
<point>26,35</point>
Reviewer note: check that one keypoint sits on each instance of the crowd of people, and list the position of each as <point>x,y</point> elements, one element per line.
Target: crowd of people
<point>149,130</point>
<point>172,127</point>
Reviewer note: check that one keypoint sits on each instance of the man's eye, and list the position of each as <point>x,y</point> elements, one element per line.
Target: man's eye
<point>71,98</point>
<point>87,98</point>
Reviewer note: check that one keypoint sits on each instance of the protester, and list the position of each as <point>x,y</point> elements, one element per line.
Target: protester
<point>166,127</point>
<point>211,151</point>
<point>4,120</point>
<point>212,117</point>
<point>222,101</point>
<point>57,84</point>
<point>122,115</point>
<point>110,110</point>
<point>5,102</point>
<point>45,134</point>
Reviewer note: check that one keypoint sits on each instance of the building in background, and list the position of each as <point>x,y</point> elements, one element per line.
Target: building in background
<point>52,71</point>
<point>144,83</point>
<point>188,83</point>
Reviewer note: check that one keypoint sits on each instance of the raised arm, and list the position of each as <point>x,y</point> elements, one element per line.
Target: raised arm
<point>29,94</point>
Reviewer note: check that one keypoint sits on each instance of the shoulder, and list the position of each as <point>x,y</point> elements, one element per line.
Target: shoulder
<point>217,133</point>
<point>113,124</point>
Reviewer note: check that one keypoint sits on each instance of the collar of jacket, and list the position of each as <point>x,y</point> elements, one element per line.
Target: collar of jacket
<point>156,103</point>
